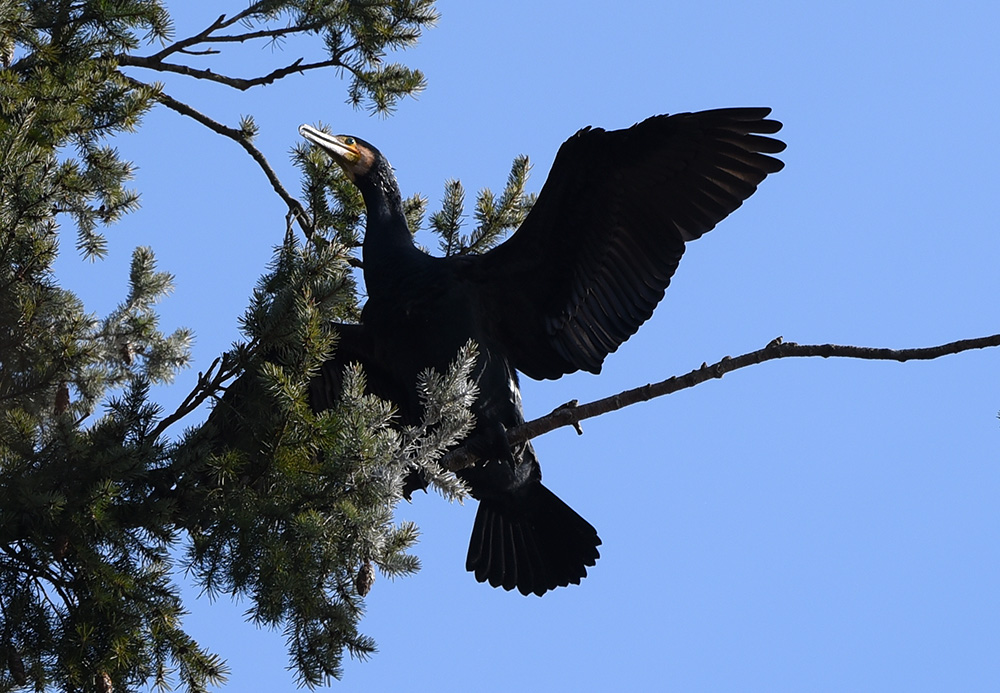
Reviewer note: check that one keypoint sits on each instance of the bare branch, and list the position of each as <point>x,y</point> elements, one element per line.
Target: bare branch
<point>297,67</point>
<point>192,40</point>
<point>208,383</point>
<point>263,33</point>
<point>206,51</point>
<point>294,206</point>
<point>571,414</point>
<point>235,82</point>
<point>205,35</point>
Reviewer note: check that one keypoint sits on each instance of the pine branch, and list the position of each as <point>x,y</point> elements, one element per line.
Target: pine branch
<point>193,40</point>
<point>203,36</point>
<point>498,216</point>
<point>236,82</point>
<point>448,221</point>
<point>262,33</point>
<point>295,207</point>
<point>571,413</point>
<point>205,51</point>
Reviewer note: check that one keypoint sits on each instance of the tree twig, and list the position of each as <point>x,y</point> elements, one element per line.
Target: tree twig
<point>571,414</point>
<point>207,384</point>
<point>294,206</point>
<point>192,40</point>
<point>220,23</point>
<point>236,82</point>
<point>262,33</point>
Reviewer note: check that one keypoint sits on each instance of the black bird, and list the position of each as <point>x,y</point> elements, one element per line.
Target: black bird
<point>585,269</point>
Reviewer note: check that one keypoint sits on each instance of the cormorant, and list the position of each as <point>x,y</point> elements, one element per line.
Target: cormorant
<point>583,271</point>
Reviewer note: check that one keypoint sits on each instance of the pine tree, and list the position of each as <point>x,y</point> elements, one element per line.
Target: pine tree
<point>100,499</point>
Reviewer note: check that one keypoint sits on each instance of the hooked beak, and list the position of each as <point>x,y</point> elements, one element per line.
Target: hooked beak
<point>333,145</point>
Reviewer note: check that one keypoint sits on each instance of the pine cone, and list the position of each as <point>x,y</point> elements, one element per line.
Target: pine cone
<point>60,547</point>
<point>365,579</point>
<point>62,398</point>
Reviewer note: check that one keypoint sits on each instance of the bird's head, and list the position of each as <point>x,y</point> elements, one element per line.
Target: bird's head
<point>354,155</point>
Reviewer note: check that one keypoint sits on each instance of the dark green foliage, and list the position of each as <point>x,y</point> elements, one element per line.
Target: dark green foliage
<point>290,509</point>
<point>62,92</point>
<point>356,36</point>
<point>294,505</point>
<point>95,500</point>
<point>85,588</point>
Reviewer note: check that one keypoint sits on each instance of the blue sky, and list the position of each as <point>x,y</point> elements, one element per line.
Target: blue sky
<point>821,525</point>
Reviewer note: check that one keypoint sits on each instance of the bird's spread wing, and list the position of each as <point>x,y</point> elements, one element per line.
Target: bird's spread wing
<point>595,254</point>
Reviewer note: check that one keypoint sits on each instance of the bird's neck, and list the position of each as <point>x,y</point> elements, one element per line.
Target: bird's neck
<point>388,249</point>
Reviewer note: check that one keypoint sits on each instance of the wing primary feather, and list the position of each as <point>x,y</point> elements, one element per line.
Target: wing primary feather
<point>590,319</point>
<point>611,307</point>
<point>754,142</point>
<point>608,229</point>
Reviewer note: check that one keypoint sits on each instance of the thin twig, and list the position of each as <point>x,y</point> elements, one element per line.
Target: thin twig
<point>220,23</point>
<point>205,51</point>
<point>208,384</point>
<point>263,33</point>
<point>240,83</point>
<point>571,414</point>
<point>237,135</point>
<point>201,391</point>
<point>191,40</point>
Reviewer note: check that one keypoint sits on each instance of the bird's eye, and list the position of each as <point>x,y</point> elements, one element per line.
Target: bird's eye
<point>349,141</point>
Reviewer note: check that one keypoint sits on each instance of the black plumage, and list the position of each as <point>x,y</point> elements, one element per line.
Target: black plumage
<point>585,269</point>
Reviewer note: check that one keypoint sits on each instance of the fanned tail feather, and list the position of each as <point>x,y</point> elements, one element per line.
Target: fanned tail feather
<point>531,540</point>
